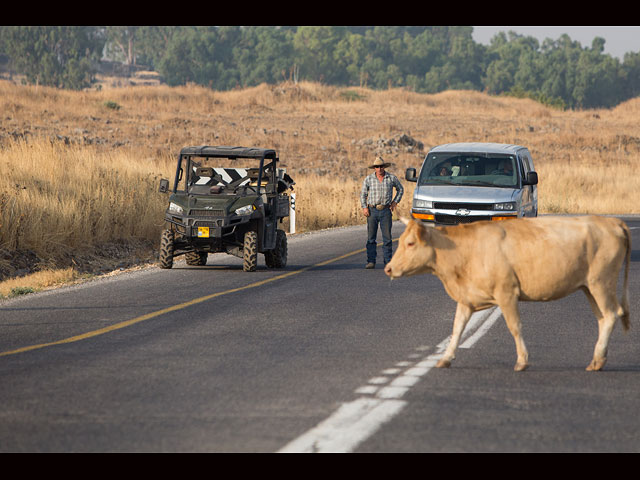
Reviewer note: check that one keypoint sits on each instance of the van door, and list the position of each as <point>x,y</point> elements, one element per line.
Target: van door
<point>529,192</point>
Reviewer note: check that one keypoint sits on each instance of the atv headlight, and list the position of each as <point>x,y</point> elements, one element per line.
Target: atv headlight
<point>505,206</point>
<point>246,210</point>
<point>175,208</point>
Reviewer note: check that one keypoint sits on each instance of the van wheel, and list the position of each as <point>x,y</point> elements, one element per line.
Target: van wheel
<point>250,251</point>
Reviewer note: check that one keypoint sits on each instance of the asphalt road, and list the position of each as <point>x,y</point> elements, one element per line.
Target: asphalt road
<point>321,356</point>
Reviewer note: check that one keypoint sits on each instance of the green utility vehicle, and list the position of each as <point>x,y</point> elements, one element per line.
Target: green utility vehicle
<point>214,208</point>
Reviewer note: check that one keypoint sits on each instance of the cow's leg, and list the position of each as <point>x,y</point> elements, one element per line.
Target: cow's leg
<point>598,314</point>
<point>463,313</point>
<point>604,305</point>
<point>511,315</point>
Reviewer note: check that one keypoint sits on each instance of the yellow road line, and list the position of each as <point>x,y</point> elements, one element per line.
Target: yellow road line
<point>148,316</point>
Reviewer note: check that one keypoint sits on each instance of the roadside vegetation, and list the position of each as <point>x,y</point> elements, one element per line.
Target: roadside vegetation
<point>79,184</point>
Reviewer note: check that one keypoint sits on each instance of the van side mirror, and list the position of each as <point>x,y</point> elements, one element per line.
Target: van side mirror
<point>532,179</point>
<point>164,185</point>
<point>410,175</point>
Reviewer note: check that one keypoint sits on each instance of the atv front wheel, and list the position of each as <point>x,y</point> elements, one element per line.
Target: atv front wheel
<point>166,249</point>
<point>250,251</point>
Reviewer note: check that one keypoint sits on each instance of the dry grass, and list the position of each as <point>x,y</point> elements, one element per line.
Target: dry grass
<point>65,197</point>
<point>37,281</point>
<point>75,165</point>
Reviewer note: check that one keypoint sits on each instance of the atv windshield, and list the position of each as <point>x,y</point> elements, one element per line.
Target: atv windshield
<point>469,169</point>
<point>206,172</point>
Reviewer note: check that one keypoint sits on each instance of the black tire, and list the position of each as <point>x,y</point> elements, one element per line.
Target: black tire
<point>250,251</point>
<point>277,258</point>
<point>166,249</point>
<point>196,258</point>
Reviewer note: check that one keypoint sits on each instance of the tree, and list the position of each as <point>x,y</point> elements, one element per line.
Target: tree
<point>55,56</point>
<point>264,55</point>
<point>188,58</point>
<point>314,47</point>
<point>424,59</point>
<point>465,57</point>
<point>422,52</point>
<point>349,56</point>
<point>121,42</point>
<point>202,55</point>
<point>506,55</point>
<point>152,42</point>
<point>631,74</point>
<point>598,78</point>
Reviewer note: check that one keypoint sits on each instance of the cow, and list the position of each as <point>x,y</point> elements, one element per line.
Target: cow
<point>487,263</point>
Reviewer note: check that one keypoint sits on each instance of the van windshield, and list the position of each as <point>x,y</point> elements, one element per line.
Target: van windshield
<point>473,169</point>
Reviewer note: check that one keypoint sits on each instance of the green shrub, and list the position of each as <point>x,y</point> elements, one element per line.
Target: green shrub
<point>21,291</point>
<point>351,95</point>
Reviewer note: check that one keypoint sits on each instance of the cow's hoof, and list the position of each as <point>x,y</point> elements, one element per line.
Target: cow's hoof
<point>520,367</point>
<point>595,365</point>
<point>442,363</point>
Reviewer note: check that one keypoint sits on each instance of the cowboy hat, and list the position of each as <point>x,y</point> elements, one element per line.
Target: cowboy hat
<point>379,163</point>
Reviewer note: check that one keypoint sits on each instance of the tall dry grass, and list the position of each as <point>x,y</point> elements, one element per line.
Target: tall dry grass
<point>75,165</point>
<point>55,197</point>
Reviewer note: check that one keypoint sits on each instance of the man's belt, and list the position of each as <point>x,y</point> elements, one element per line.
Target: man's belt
<point>378,207</point>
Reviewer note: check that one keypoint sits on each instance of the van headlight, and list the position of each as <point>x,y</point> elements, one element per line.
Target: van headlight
<point>505,206</point>
<point>422,203</point>
<point>246,210</point>
<point>175,208</point>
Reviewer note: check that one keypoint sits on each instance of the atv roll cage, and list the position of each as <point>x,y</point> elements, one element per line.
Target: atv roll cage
<point>232,153</point>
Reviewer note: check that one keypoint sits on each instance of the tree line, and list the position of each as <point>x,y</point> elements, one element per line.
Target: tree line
<point>559,72</point>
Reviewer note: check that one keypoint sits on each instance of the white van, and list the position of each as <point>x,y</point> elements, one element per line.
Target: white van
<point>467,182</point>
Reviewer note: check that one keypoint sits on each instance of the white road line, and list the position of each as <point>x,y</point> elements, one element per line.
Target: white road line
<point>344,430</point>
<point>482,329</point>
<point>380,399</point>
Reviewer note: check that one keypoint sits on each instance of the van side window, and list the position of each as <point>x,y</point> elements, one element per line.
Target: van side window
<point>521,166</point>
<point>526,162</point>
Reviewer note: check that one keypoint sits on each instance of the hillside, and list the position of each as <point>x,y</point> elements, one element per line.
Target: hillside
<point>587,160</point>
<point>317,128</point>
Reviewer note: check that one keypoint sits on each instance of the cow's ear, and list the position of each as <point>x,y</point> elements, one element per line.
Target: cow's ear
<point>421,231</point>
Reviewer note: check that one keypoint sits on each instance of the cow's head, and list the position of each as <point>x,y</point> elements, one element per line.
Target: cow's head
<point>415,253</point>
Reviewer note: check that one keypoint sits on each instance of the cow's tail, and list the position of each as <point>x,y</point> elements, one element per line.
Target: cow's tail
<point>624,317</point>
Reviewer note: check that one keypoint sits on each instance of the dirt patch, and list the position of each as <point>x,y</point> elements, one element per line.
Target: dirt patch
<point>99,260</point>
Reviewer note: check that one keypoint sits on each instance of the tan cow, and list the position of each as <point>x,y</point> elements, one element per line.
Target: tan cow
<point>538,259</point>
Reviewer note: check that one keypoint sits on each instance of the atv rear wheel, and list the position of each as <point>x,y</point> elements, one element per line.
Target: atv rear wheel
<point>166,249</point>
<point>196,258</point>
<point>250,251</point>
<point>277,258</point>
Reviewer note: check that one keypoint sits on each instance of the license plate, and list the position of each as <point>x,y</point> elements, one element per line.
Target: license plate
<point>203,232</point>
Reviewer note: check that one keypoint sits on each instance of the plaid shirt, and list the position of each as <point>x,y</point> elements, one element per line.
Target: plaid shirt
<point>375,192</point>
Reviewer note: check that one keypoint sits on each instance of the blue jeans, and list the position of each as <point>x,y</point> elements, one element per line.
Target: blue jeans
<point>383,219</point>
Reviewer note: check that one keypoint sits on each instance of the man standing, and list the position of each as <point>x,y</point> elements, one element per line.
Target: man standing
<point>378,203</point>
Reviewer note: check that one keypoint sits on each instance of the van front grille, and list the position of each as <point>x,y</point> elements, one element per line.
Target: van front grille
<point>468,206</point>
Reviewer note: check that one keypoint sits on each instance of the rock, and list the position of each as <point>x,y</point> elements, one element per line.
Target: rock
<point>395,144</point>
